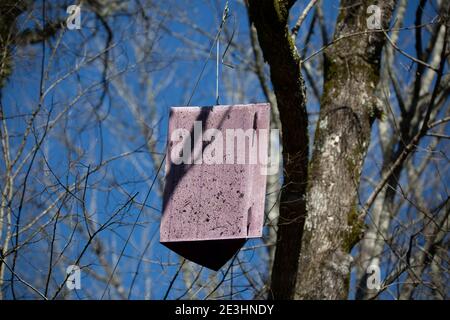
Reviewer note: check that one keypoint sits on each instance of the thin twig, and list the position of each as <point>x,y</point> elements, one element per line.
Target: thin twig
<point>302,17</point>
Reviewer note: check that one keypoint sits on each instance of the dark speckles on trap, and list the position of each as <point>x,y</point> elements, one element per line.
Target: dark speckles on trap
<point>210,210</point>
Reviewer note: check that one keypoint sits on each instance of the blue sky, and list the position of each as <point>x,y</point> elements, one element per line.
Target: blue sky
<point>101,141</point>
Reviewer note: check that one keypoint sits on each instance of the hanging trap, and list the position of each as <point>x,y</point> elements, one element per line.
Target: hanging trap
<point>216,167</point>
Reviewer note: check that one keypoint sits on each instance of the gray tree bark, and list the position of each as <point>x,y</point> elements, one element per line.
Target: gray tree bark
<point>348,109</point>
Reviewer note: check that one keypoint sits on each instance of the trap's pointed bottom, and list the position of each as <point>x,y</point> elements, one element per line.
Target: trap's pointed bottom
<point>212,254</point>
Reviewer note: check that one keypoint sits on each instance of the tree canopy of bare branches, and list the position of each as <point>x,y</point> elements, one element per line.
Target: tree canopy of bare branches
<point>360,209</point>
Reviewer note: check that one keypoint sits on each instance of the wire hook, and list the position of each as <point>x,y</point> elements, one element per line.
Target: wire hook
<point>225,16</point>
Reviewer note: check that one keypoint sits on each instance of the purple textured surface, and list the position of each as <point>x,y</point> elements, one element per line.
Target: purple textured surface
<point>215,201</point>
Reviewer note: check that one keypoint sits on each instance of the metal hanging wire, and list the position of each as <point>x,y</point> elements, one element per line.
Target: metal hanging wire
<point>216,43</point>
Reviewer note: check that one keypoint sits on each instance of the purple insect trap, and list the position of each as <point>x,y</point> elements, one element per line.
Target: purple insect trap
<point>214,193</point>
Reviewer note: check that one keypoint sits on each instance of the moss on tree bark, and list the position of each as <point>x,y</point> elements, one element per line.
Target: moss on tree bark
<point>328,192</point>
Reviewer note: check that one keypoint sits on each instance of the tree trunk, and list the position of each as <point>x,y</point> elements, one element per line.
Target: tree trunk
<point>270,19</point>
<point>348,109</point>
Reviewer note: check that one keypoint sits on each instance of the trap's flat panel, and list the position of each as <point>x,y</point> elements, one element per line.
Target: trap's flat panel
<point>220,199</point>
